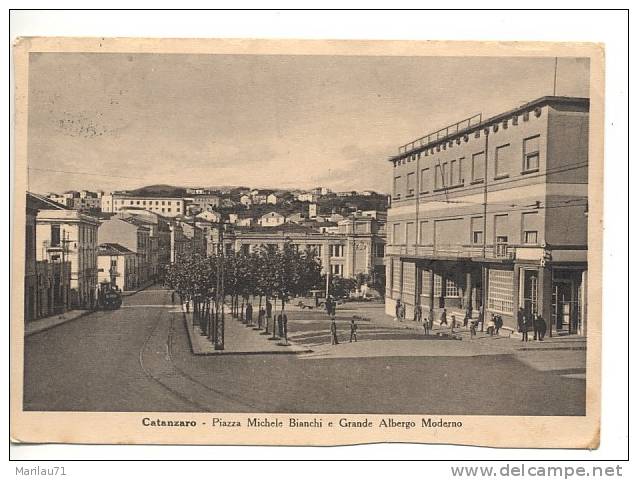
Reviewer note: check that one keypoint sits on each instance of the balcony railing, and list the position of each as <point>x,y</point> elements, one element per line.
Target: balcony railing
<point>498,251</point>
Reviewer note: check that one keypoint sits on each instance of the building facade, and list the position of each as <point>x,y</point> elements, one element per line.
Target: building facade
<point>165,206</point>
<point>118,266</point>
<point>493,213</point>
<point>135,236</point>
<point>70,236</point>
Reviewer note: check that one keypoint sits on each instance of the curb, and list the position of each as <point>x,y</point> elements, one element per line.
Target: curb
<point>49,327</point>
<point>226,352</point>
<point>129,293</point>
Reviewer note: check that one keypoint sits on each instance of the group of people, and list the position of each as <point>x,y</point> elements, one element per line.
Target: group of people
<point>331,309</point>
<point>528,322</point>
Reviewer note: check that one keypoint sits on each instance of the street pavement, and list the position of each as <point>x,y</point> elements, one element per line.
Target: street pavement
<point>138,358</point>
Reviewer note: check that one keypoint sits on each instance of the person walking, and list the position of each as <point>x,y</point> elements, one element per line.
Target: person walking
<point>498,323</point>
<point>248,312</point>
<point>418,313</point>
<point>353,331</point>
<point>333,332</point>
<point>443,317</point>
<point>452,323</point>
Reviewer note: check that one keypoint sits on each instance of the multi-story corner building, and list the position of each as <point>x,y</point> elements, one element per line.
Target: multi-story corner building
<point>82,200</point>
<point>165,206</point>
<point>159,238</point>
<point>493,212</point>
<point>118,266</point>
<point>67,236</point>
<point>133,235</point>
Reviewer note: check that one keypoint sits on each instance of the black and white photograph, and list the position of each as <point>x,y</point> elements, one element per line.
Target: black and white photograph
<point>358,239</point>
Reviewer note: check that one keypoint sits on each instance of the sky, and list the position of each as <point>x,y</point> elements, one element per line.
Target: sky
<point>122,121</point>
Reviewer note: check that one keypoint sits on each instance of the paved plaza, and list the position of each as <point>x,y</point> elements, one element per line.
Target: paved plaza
<point>140,358</point>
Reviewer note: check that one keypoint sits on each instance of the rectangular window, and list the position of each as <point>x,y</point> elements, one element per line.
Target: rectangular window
<point>424,237</point>
<point>397,237</point>
<point>408,281</point>
<point>410,184</point>
<point>451,287</point>
<point>440,176</point>
<point>454,173</point>
<point>531,225</point>
<point>477,230</point>
<point>530,237</point>
<point>425,179</point>
<point>425,283</point>
<point>478,167</point>
<point>410,233</point>
<point>396,188</point>
<point>437,285</point>
<point>169,209</point>
<point>500,290</point>
<point>55,235</point>
<point>396,276</point>
<point>501,161</point>
<point>336,250</point>
<point>531,154</point>
<point>460,179</point>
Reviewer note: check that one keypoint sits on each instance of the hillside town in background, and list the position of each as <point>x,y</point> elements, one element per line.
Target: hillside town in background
<point>77,240</point>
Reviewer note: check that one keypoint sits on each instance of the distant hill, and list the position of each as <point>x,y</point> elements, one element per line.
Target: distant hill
<point>159,191</point>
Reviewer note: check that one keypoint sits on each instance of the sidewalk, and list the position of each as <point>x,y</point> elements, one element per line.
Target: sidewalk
<point>42,324</point>
<point>238,340</point>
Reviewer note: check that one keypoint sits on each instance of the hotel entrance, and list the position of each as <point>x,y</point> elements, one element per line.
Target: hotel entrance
<point>566,306</point>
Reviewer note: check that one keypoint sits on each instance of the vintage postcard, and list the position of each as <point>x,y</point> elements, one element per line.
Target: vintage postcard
<point>265,242</point>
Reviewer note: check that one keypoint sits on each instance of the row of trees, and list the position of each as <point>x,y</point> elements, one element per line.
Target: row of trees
<point>269,273</point>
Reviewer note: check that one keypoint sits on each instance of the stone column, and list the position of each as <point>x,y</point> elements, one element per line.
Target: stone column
<point>468,289</point>
<point>516,280</point>
<point>545,296</point>
<point>431,273</point>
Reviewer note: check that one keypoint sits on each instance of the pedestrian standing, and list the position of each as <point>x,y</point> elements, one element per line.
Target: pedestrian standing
<point>353,330</point>
<point>452,323</point>
<point>426,327</point>
<point>249,313</point>
<point>260,318</point>
<point>284,327</point>
<point>402,313</point>
<point>397,310</point>
<point>443,317</point>
<point>468,316</point>
<point>418,313</point>
<point>268,310</point>
<point>333,332</point>
<point>481,318</point>
<point>173,297</point>
<point>522,324</point>
<point>541,326</point>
